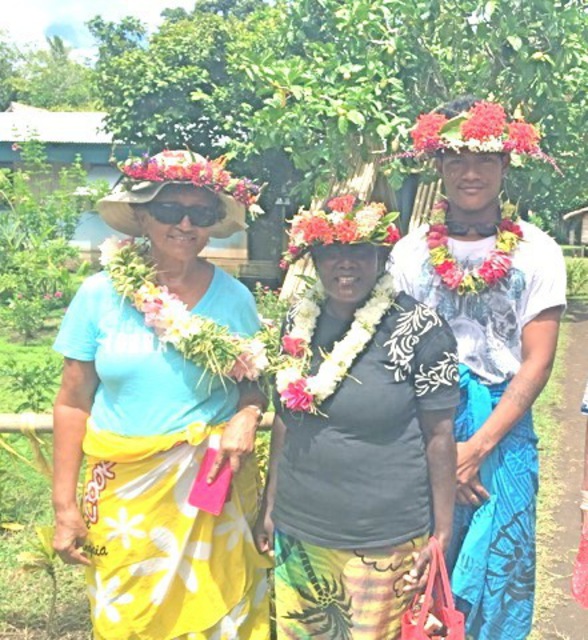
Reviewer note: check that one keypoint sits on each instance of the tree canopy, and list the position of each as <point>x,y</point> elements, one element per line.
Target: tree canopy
<point>48,78</point>
<point>317,80</point>
<point>348,74</point>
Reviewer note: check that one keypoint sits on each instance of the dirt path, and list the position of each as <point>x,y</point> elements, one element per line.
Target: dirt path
<point>570,621</point>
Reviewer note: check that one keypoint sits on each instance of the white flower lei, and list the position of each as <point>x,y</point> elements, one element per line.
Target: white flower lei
<point>200,339</point>
<point>302,392</point>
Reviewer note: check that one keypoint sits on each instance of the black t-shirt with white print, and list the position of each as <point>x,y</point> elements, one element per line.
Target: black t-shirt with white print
<point>357,476</point>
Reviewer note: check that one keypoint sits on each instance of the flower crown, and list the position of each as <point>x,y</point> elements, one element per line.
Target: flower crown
<point>345,219</point>
<point>186,166</point>
<point>484,128</point>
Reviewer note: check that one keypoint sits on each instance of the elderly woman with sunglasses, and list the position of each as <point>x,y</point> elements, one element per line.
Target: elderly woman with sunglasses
<point>157,379</point>
<point>362,448</point>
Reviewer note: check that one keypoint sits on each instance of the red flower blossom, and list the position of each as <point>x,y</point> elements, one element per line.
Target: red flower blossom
<point>450,274</point>
<point>343,204</point>
<point>513,227</point>
<point>522,138</point>
<point>392,234</point>
<point>346,231</point>
<point>486,120</point>
<point>495,268</point>
<point>294,346</point>
<point>426,133</point>
<point>317,229</point>
<point>296,398</point>
<point>437,238</point>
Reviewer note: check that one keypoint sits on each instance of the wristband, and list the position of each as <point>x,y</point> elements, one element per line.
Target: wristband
<point>257,408</point>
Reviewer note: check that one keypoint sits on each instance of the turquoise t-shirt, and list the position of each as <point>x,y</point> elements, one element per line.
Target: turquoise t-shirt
<point>147,387</point>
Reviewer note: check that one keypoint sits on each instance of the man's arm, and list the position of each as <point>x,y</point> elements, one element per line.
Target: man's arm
<point>539,343</point>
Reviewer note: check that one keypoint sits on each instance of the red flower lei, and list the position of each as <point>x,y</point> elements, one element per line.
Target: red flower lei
<point>494,268</point>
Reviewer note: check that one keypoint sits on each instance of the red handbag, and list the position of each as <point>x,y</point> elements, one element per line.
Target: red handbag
<point>433,614</point>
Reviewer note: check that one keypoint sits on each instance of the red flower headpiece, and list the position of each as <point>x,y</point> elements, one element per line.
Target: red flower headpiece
<point>345,219</point>
<point>484,128</point>
<point>186,166</point>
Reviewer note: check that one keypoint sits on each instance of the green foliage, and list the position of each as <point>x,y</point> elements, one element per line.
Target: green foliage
<point>348,77</point>
<point>177,89</point>
<point>39,216</point>
<point>577,277</point>
<point>36,383</point>
<point>269,305</point>
<point>50,79</point>
<point>8,58</point>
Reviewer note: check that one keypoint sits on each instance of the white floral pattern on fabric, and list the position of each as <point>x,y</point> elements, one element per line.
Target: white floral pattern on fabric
<point>444,373</point>
<point>125,528</point>
<point>228,629</point>
<point>106,597</point>
<point>412,325</point>
<point>236,526</point>
<point>177,561</point>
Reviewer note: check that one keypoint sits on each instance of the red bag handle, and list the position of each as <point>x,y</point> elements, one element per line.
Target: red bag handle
<point>437,574</point>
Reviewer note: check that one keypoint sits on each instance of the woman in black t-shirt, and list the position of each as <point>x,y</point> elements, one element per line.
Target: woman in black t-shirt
<point>362,458</point>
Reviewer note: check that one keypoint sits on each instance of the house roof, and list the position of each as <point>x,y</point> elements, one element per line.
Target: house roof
<point>21,122</point>
<point>577,212</point>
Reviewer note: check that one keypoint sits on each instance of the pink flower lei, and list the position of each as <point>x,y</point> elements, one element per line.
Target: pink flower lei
<point>494,268</point>
<point>198,338</point>
<point>183,166</point>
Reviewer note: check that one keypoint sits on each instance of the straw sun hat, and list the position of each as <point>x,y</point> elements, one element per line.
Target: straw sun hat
<point>144,178</point>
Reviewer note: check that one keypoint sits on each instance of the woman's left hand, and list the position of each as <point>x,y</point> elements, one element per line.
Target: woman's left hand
<point>416,578</point>
<point>237,441</point>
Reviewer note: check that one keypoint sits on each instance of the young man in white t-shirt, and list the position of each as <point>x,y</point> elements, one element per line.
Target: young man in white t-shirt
<point>500,283</point>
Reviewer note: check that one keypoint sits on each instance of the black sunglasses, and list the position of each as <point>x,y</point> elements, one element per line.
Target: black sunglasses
<point>174,213</point>
<point>455,228</point>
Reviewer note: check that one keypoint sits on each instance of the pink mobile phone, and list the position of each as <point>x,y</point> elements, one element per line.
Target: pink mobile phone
<point>211,497</point>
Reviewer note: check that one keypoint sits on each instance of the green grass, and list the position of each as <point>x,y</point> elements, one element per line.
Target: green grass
<point>548,595</point>
<point>25,597</point>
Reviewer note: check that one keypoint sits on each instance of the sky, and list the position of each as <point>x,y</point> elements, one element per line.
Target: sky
<point>29,22</point>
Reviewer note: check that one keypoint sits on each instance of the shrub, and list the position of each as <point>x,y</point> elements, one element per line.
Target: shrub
<point>577,275</point>
<point>38,217</point>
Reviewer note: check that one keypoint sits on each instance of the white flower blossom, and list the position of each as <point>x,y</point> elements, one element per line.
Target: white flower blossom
<point>108,250</point>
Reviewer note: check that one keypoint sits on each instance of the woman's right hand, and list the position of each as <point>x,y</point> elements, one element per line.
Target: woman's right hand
<point>263,532</point>
<point>70,535</point>
<point>416,578</point>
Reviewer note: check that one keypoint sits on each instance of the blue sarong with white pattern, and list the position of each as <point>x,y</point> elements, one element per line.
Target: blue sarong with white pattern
<point>493,548</point>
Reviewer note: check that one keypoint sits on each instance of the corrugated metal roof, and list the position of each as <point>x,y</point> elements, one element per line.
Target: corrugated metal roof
<point>54,126</point>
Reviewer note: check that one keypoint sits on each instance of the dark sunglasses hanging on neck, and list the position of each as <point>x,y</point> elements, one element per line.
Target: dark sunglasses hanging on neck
<point>174,213</point>
<point>484,229</point>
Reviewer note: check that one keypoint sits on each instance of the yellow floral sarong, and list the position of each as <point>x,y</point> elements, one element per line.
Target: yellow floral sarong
<point>161,568</point>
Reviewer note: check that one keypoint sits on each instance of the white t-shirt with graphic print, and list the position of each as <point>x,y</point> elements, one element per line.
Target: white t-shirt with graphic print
<point>487,325</point>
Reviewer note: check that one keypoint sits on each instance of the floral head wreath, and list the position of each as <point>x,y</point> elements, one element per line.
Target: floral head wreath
<point>484,128</point>
<point>186,166</point>
<point>346,220</point>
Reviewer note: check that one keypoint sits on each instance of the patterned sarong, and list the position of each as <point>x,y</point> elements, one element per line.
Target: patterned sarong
<point>334,594</point>
<point>493,578</point>
<point>162,569</point>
